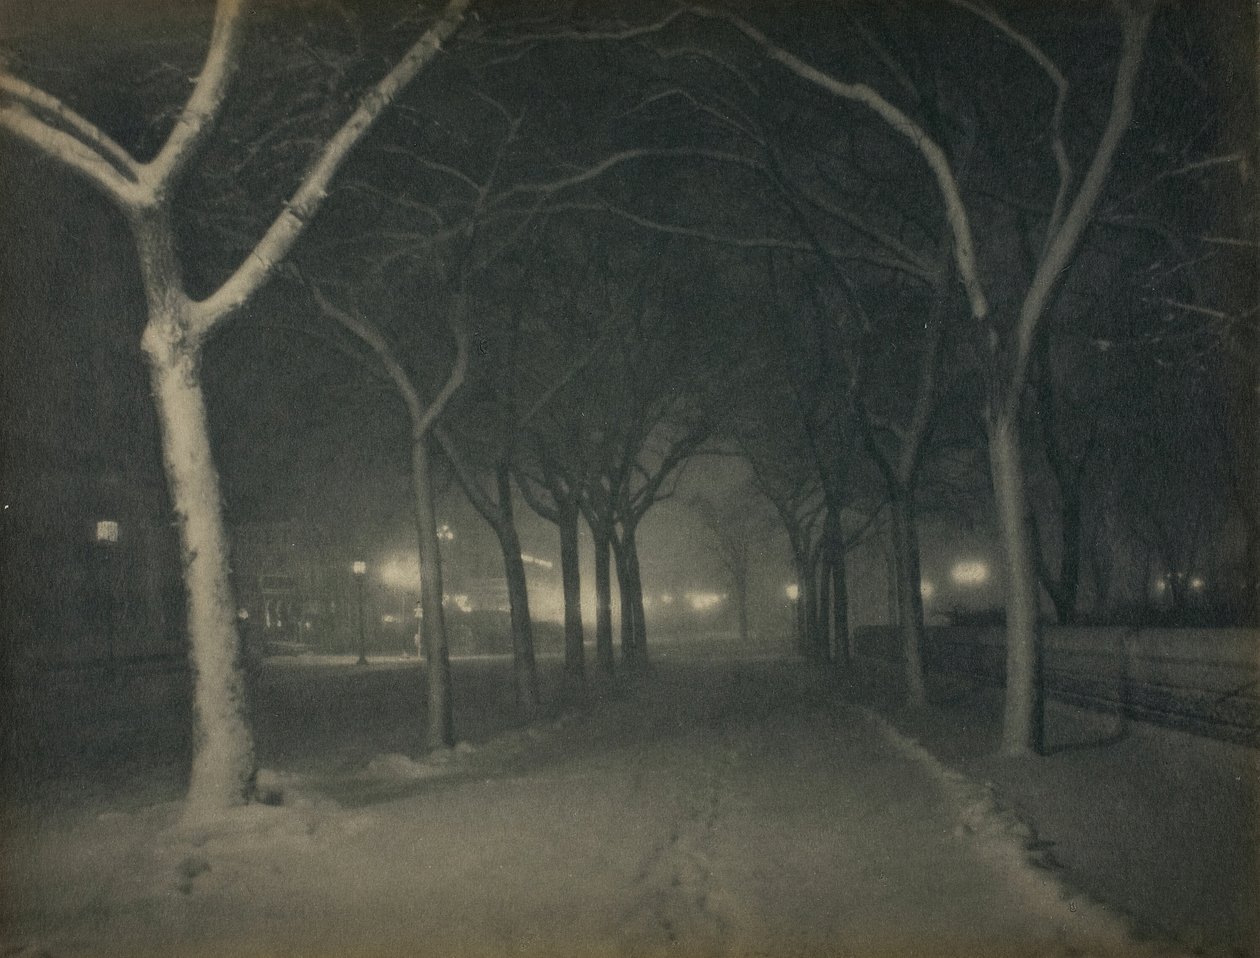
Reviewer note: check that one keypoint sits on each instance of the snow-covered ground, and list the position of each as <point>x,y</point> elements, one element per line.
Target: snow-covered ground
<point>740,808</point>
<point>1161,824</point>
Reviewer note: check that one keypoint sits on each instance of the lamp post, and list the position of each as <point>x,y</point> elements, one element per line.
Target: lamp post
<point>106,537</point>
<point>360,573</point>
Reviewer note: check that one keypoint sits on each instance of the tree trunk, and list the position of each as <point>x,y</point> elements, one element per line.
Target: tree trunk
<point>524,672</point>
<point>1251,579</point>
<point>633,628</point>
<point>840,604</point>
<point>1023,719</point>
<point>1064,594</point>
<point>802,598</point>
<point>824,614</point>
<point>441,726</point>
<point>571,579</point>
<point>636,594</point>
<point>909,594</point>
<point>741,610</point>
<point>626,604</point>
<point>223,766</point>
<point>809,606</point>
<point>603,602</point>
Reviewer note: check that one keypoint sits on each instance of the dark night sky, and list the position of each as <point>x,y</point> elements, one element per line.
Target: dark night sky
<point>297,425</point>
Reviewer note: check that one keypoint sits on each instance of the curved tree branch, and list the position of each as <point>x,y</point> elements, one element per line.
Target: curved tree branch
<point>927,147</point>
<point>198,116</point>
<point>1048,66</point>
<point>1063,244</point>
<point>59,117</point>
<point>285,229</point>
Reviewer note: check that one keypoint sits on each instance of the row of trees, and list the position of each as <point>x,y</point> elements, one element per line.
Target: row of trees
<point>582,251</point>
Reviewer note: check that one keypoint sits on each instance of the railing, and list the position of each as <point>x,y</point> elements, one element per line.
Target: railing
<point>1205,681</point>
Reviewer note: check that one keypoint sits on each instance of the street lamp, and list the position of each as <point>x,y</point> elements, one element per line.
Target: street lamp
<point>360,573</point>
<point>106,538</point>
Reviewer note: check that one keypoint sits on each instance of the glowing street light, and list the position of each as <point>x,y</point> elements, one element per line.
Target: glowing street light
<point>360,573</point>
<point>106,535</point>
<point>702,601</point>
<point>972,572</point>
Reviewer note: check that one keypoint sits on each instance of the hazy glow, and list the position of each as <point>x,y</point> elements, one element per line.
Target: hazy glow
<point>402,572</point>
<point>927,590</point>
<point>1198,584</point>
<point>459,600</point>
<point>359,567</point>
<point>106,530</point>
<point>667,598</point>
<point>534,560</point>
<point>970,573</point>
<point>388,619</point>
<point>444,533</point>
<point>700,601</point>
<point>792,591</point>
<point>1161,586</point>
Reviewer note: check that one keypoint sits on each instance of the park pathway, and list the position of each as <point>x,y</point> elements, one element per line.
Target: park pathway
<point>727,810</point>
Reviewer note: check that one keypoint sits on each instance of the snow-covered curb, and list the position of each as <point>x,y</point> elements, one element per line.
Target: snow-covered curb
<point>1009,844</point>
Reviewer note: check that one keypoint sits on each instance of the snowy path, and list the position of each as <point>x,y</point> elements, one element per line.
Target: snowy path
<point>733,810</point>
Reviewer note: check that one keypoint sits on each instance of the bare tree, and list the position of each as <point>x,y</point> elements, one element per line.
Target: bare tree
<point>737,528</point>
<point>178,325</point>
<point>1008,342</point>
<point>422,415</point>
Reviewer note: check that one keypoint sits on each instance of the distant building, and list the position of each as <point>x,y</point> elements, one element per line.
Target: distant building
<point>296,588</point>
<point>91,566</point>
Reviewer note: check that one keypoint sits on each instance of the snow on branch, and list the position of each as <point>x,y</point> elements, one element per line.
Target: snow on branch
<point>1039,57</point>
<point>455,320</point>
<point>40,108</point>
<point>197,118</point>
<point>928,148</point>
<point>310,195</point>
<point>79,156</point>
<point>1062,245</point>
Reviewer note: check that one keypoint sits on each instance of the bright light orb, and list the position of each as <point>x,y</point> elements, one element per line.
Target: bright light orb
<point>1197,584</point>
<point>792,591</point>
<point>359,567</point>
<point>459,600</point>
<point>702,601</point>
<point>402,572</point>
<point>970,573</point>
<point>927,590</point>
